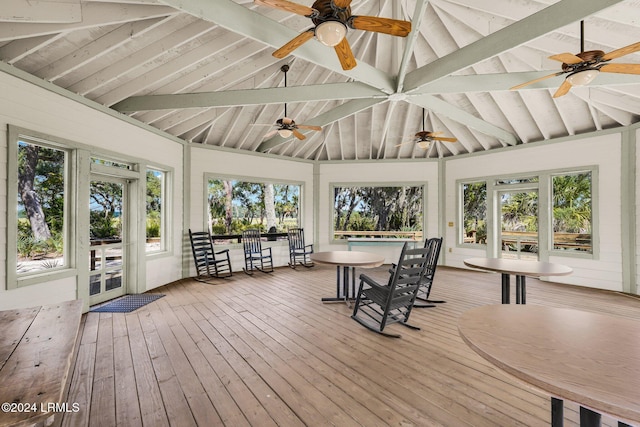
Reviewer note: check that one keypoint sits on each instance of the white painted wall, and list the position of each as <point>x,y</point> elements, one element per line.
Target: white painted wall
<point>375,173</point>
<point>205,160</point>
<point>604,151</point>
<point>32,107</point>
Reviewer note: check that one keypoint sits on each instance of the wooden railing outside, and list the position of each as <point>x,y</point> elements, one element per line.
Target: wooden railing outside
<point>520,239</point>
<point>415,235</point>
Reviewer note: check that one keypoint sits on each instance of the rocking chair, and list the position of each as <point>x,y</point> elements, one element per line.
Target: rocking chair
<point>255,258</point>
<point>299,253</point>
<point>434,244</point>
<point>209,264</point>
<point>391,303</point>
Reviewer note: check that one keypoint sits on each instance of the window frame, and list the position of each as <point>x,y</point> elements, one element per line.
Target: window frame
<point>545,215</point>
<point>595,243</point>
<point>460,198</point>
<point>331,204</point>
<point>68,269</point>
<point>166,213</point>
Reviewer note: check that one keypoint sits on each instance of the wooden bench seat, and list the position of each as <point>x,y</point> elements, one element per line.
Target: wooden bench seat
<point>37,348</point>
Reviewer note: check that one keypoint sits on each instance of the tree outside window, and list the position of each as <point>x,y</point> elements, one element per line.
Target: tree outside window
<point>235,206</point>
<point>155,219</point>
<point>41,208</point>
<point>474,212</point>
<point>572,215</point>
<point>381,211</point>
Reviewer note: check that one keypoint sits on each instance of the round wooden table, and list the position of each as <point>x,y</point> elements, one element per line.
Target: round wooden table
<point>347,261</point>
<point>588,358</point>
<point>519,268</point>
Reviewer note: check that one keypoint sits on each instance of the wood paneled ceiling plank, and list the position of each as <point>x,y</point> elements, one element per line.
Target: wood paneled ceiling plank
<point>152,45</point>
<point>40,11</point>
<point>171,68</point>
<point>98,48</point>
<point>93,15</point>
<point>16,50</point>
<point>410,43</point>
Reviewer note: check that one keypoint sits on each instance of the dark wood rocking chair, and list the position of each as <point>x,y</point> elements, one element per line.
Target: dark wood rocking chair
<point>299,253</point>
<point>391,303</point>
<point>434,244</point>
<point>255,258</point>
<point>209,264</point>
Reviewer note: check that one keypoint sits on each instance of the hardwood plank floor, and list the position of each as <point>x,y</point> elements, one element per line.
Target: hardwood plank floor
<point>264,351</point>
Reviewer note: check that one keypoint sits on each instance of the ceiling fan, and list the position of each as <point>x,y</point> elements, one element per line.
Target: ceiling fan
<point>583,67</point>
<point>423,138</point>
<point>331,19</point>
<point>287,126</point>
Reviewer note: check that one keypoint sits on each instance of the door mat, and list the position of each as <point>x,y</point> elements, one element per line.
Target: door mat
<point>127,303</point>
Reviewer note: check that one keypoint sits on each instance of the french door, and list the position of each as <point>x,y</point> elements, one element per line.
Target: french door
<point>519,224</point>
<point>108,227</point>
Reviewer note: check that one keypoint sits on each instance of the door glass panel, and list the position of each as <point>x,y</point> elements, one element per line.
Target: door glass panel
<point>519,224</point>
<point>106,225</point>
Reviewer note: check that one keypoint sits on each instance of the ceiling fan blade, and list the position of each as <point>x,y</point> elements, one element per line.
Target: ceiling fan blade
<point>393,27</point>
<point>298,134</point>
<point>440,138</point>
<point>270,134</point>
<point>288,6</point>
<point>434,133</point>
<point>621,52</point>
<point>536,80</point>
<point>293,44</point>
<point>563,89</point>
<point>341,3</point>
<point>310,127</point>
<point>621,68</point>
<point>567,58</point>
<point>345,55</point>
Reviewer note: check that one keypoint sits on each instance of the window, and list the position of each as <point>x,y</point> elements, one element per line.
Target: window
<point>41,232</point>
<point>572,216</point>
<point>474,212</point>
<point>156,212</point>
<point>234,206</point>
<point>378,211</point>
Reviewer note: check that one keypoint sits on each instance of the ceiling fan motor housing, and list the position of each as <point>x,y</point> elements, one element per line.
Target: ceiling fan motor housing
<point>590,58</point>
<point>328,12</point>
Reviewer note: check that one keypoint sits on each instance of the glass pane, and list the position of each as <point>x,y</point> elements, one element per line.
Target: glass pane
<point>110,163</point>
<point>105,222</point>
<point>474,202</point>
<point>113,257</point>
<point>511,181</point>
<point>519,229</point>
<point>572,212</point>
<point>41,207</point>
<point>235,206</point>
<point>113,280</point>
<point>394,212</point>
<point>94,284</point>
<point>95,259</point>
<point>155,218</point>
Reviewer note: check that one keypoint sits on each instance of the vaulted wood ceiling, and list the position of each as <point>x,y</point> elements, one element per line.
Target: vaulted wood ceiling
<point>202,70</point>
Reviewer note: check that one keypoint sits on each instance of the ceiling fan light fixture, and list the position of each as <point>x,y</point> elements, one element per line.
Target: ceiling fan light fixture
<point>582,78</point>
<point>285,133</point>
<point>330,33</point>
